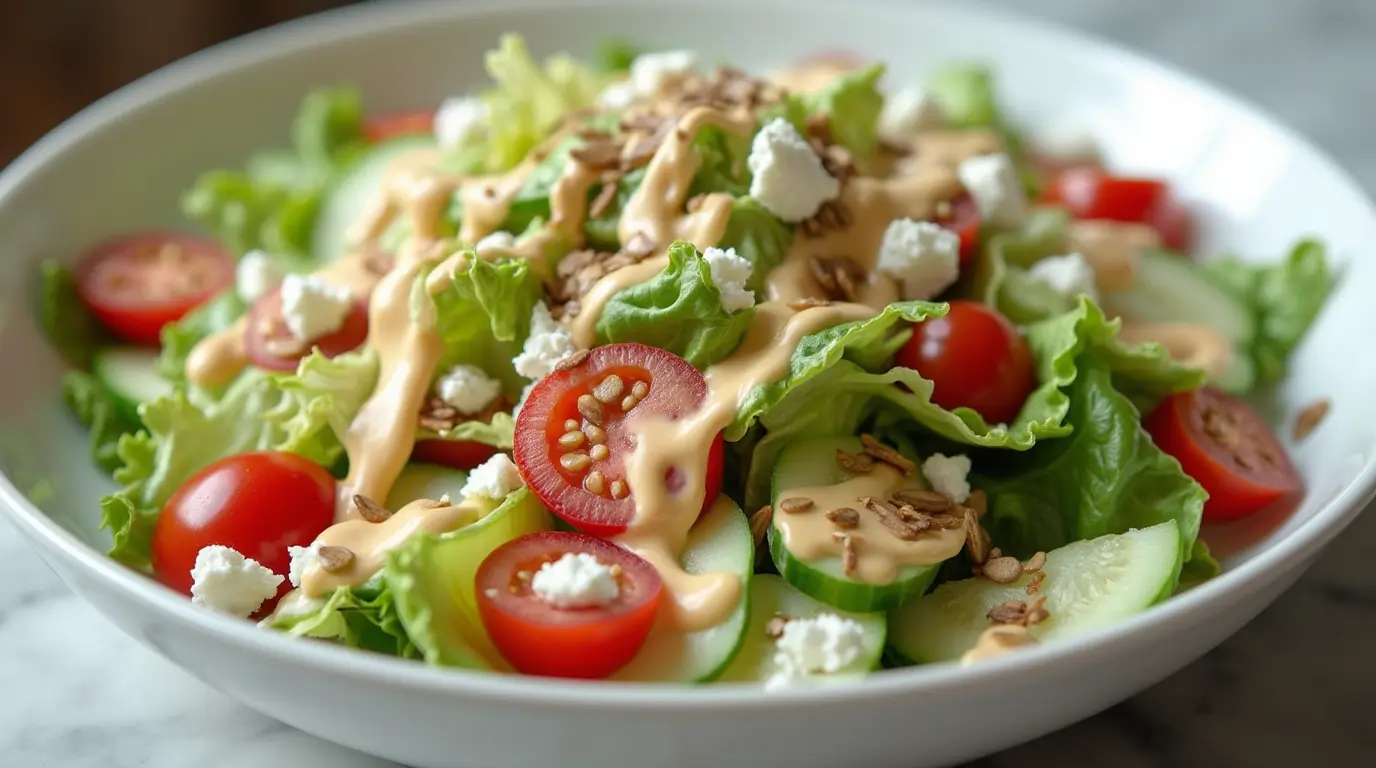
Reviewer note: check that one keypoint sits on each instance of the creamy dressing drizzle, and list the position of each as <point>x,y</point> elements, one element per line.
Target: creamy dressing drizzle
<point>879,554</point>
<point>996,641</point>
<point>370,542</point>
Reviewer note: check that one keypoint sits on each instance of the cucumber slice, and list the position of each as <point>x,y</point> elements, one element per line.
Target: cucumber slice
<point>808,464</point>
<point>352,194</point>
<point>130,375</point>
<point>426,481</point>
<point>720,541</point>
<point>1173,289</point>
<point>1087,585</point>
<point>771,596</point>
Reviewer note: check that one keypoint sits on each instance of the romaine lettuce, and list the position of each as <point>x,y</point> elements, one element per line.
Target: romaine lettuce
<point>852,104</point>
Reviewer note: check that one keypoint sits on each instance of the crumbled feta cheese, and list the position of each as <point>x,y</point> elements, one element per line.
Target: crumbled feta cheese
<point>730,273</point>
<point>256,274</point>
<point>302,558</point>
<point>1066,143</point>
<point>468,389</point>
<point>923,256</point>
<point>312,307</point>
<point>617,96</point>
<point>224,580</point>
<point>493,479</point>
<point>576,580</point>
<point>993,183</point>
<point>548,343</point>
<point>787,176</point>
<point>460,120</point>
<point>948,475</point>
<point>907,111</point>
<point>822,644</point>
<point>651,71</point>
<point>1069,275</point>
<point>497,241</point>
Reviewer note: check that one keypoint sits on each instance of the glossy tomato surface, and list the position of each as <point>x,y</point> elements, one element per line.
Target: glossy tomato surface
<point>379,128</point>
<point>272,347</point>
<point>136,284</point>
<point>462,455</point>
<point>964,221</point>
<point>1226,446</point>
<point>1090,192</point>
<point>541,638</point>
<point>975,358</point>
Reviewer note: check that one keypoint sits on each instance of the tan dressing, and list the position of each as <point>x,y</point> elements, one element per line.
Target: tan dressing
<point>1197,346</point>
<point>815,74</point>
<point>996,641</point>
<point>951,147</point>
<point>880,555</point>
<point>1113,250</point>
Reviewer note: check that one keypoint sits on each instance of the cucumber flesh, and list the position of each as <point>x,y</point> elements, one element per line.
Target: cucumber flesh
<point>1087,585</point>
<point>812,463</point>
<point>1173,289</point>
<point>426,481</point>
<point>130,375</point>
<point>719,542</point>
<point>354,192</point>
<point>771,596</point>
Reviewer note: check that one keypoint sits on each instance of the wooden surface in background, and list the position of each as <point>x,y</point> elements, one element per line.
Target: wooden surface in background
<point>57,56</point>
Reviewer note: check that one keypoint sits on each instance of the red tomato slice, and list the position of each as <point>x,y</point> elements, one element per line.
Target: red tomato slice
<point>557,473</point>
<point>379,128</point>
<point>964,221</point>
<point>136,284</point>
<point>539,638</point>
<point>456,454</point>
<point>255,503</point>
<point>1228,449</point>
<point>1090,192</point>
<point>974,358</point>
<point>272,347</point>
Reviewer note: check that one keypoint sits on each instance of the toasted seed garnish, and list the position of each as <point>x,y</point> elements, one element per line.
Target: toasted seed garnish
<point>759,522</point>
<point>795,504</point>
<point>1002,570</point>
<point>595,483</point>
<point>615,570</point>
<point>807,303</point>
<point>924,501</point>
<point>888,515</point>
<point>1035,562</point>
<point>619,490</point>
<point>575,462</point>
<point>1010,612</point>
<point>335,558</point>
<point>598,155</point>
<point>605,197</point>
<point>590,409</point>
<point>629,401</point>
<point>370,510</point>
<point>1034,582</point>
<point>640,389</point>
<point>444,412</point>
<point>844,517</point>
<point>855,463</point>
<point>849,558</point>
<point>976,540</point>
<point>774,628</point>
<point>596,435</point>
<point>599,452</point>
<point>995,552</point>
<point>572,361</point>
<point>888,455</point>
<point>571,440</point>
<point>609,389</point>
<point>1308,419</point>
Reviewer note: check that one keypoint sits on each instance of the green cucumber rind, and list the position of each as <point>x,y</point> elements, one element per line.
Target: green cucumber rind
<point>843,593</point>
<point>1172,289</point>
<point>111,365</point>
<point>348,194</point>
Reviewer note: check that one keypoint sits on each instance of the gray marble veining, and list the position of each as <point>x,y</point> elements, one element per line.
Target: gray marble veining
<point>1292,688</point>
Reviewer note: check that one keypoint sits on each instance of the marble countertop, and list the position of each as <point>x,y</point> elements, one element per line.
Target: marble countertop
<point>1292,687</point>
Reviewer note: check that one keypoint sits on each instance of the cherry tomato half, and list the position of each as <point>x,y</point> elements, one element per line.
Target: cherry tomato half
<point>462,455</point>
<point>964,221</point>
<point>1225,446</point>
<point>271,346</point>
<point>255,503</point>
<point>556,473</point>
<point>392,125</point>
<point>974,358</point>
<point>540,638</point>
<point>136,284</point>
<point>1091,193</point>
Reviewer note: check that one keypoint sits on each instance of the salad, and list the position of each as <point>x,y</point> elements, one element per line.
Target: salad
<point>648,370</point>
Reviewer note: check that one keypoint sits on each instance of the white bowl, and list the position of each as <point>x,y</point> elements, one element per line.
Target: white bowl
<point>122,163</point>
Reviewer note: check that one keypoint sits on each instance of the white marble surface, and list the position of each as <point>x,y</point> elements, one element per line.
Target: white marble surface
<point>1293,687</point>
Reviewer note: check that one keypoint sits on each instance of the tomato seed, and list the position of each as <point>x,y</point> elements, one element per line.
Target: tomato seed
<point>618,489</point>
<point>591,409</point>
<point>570,425</point>
<point>599,452</point>
<point>524,575</point>
<point>615,570</point>
<point>572,440</point>
<point>575,462</point>
<point>640,389</point>
<point>609,390</point>
<point>595,483</point>
<point>596,435</point>
<point>628,402</point>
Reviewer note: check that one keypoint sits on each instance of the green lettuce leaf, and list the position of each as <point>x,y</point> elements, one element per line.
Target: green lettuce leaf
<point>432,581</point>
<point>679,310</point>
<point>1001,274</point>
<point>965,93</point>
<point>62,315</point>
<point>1285,297</point>
<point>498,432</point>
<point>603,230</point>
<point>852,104</point>
<point>723,166</point>
<point>98,413</point>
<point>363,617</point>
<point>484,316</point>
<point>759,237</point>
<point>616,55</point>
<point>179,338</point>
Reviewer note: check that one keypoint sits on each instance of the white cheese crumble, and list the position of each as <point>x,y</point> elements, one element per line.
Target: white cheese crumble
<point>730,273</point>
<point>907,111</point>
<point>576,580</point>
<point>256,274</point>
<point>497,241</point>
<point>923,256</point>
<point>651,71</point>
<point>493,479</point>
<point>822,644</point>
<point>1066,143</point>
<point>548,343</point>
<point>302,558</point>
<point>617,96</point>
<point>787,176</point>
<point>224,580</point>
<point>468,389</point>
<point>460,121</point>
<point>993,183</point>
<point>1069,275</point>
<point>948,475</point>
<point>312,307</point>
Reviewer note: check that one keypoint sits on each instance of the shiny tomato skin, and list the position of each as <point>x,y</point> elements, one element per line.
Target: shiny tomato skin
<point>255,503</point>
<point>676,389</point>
<point>1252,473</point>
<point>136,284</point>
<point>462,455</point>
<point>540,639</point>
<point>1090,192</point>
<point>975,358</point>
<point>964,221</point>
<point>379,128</point>
<point>268,311</point>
